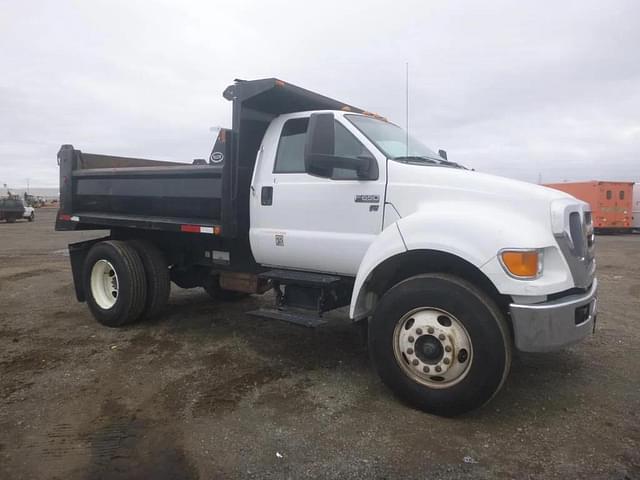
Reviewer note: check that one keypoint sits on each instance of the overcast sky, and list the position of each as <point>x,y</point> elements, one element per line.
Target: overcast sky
<point>516,88</point>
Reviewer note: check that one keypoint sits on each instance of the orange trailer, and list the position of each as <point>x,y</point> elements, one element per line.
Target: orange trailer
<point>611,202</point>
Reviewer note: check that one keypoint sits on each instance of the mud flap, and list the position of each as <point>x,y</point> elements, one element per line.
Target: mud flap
<point>77,254</point>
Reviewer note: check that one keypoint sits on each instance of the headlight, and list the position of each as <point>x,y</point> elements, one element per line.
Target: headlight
<point>522,264</point>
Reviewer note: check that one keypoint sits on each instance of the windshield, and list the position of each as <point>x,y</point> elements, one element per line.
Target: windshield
<point>391,139</point>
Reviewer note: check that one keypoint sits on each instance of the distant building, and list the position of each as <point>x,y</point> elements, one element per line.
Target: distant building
<point>611,202</point>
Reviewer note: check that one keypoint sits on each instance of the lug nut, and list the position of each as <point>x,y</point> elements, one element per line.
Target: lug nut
<point>410,351</point>
<point>419,331</point>
<point>446,361</point>
<point>447,348</point>
<point>438,368</point>
<point>415,361</point>
<point>463,355</point>
<point>425,369</point>
<point>411,339</point>
<point>441,336</point>
<point>430,329</point>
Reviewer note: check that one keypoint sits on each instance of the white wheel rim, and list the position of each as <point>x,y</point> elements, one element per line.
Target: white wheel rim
<point>432,347</point>
<point>104,284</point>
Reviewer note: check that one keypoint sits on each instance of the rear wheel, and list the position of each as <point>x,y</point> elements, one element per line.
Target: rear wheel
<point>157,275</point>
<point>440,344</point>
<point>114,283</point>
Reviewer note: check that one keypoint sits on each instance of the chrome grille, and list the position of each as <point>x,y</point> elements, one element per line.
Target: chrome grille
<point>577,245</point>
<point>578,235</point>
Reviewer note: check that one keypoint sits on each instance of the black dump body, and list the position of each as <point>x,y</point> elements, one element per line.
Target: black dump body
<point>106,192</point>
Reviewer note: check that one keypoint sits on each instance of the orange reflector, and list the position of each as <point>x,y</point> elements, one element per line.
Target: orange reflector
<point>521,263</point>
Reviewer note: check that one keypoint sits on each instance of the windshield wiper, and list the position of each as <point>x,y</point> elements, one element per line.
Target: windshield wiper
<point>417,158</point>
<point>429,160</point>
<point>453,164</point>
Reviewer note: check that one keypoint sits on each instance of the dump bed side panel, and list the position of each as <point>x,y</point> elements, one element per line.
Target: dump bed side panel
<point>109,189</point>
<point>192,191</point>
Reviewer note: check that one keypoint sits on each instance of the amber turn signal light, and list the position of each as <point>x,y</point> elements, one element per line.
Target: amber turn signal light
<point>522,263</point>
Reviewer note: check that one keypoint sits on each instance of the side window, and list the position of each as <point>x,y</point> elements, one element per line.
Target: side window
<point>621,194</point>
<point>290,155</point>
<point>608,194</point>
<point>346,145</point>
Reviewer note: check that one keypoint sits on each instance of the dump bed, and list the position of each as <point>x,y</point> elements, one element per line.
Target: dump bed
<point>101,191</point>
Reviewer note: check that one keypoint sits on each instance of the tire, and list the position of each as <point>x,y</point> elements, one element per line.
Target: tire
<point>212,287</point>
<point>31,217</point>
<point>117,259</point>
<point>157,274</point>
<point>459,318</point>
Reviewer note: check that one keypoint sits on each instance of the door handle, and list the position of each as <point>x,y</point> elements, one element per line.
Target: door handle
<point>266,196</point>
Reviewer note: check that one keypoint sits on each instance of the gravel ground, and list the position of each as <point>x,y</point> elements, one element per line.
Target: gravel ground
<point>206,391</point>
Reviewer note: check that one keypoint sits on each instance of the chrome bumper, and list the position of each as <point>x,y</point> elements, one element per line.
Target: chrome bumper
<point>551,325</point>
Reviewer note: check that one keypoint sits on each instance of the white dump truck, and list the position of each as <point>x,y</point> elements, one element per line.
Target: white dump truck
<point>330,206</point>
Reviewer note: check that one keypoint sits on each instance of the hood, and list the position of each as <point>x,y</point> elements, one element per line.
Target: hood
<point>414,187</point>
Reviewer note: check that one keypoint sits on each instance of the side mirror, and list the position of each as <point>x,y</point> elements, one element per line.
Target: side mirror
<point>319,153</point>
<point>443,154</point>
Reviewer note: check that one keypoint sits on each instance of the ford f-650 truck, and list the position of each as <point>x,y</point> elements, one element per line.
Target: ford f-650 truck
<point>332,206</point>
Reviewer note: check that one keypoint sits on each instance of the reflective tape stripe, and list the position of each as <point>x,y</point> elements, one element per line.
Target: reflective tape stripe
<point>200,229</point>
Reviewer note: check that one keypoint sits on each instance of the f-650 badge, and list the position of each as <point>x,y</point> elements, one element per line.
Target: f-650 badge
<point>367,198</point>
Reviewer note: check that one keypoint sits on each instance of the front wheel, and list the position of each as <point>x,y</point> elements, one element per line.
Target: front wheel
<point>440,344</point>
<point>31,217</point>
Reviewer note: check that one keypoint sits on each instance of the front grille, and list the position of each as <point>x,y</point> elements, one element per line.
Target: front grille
<point>577,246</point>
<point>578,236</point>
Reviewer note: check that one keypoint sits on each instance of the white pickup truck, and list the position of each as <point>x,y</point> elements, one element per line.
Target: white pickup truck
<point>330,206</point>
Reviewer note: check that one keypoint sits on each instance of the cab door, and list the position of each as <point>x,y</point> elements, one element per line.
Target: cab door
<point>305,222</point>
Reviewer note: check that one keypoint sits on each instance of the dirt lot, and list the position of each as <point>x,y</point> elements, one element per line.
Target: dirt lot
<point>206,391</point>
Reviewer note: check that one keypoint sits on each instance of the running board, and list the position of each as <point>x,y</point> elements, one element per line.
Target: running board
<point>307,279</point>
<point>296,317</point>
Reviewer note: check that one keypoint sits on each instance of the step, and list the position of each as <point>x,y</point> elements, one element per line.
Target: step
<point>300,278</point>
<point>295,316</point>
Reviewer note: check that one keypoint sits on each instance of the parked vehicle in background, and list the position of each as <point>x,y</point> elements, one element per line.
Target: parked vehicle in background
<point>12,208</point>
<point>611,202</point>
<point>635,211</point>
<point>33,201</point>
<point>29,213</point>
<point>447,269</point>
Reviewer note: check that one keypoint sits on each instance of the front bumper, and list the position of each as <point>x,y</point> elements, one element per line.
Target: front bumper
<point>551,325</point>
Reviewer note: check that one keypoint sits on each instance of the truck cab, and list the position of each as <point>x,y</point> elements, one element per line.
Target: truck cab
<point>447,269</point>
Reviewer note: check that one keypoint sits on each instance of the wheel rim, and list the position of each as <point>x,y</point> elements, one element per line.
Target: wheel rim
<point>104,284</point>
<point>432,347</point>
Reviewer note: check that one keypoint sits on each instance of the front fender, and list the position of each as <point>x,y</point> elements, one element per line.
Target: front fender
<point>474,234</point>
<point>388,244</point>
